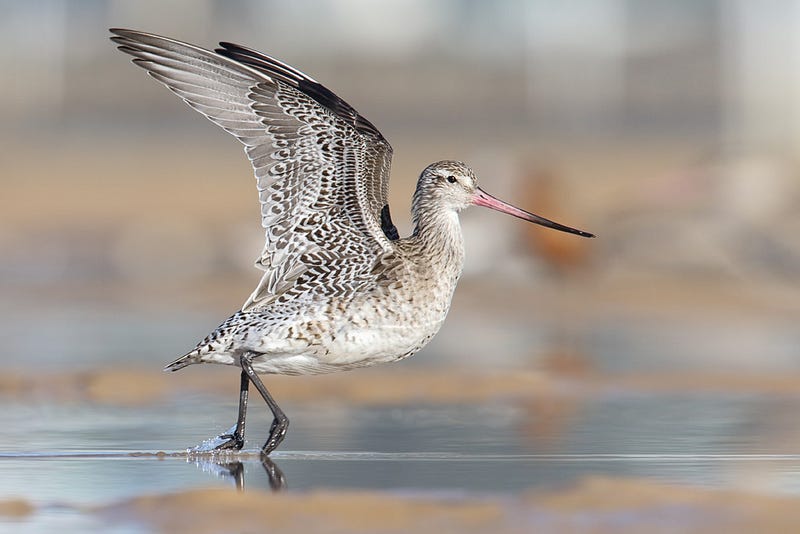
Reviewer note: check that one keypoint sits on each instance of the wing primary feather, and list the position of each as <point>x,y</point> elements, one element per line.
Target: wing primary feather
<point>306,84</point>
<point>322,169</point>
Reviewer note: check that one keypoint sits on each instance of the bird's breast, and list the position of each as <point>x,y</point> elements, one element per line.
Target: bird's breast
<point>390,322</point>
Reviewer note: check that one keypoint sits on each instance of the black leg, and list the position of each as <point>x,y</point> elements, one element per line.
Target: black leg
<point>235,440</point>
<point>280,423</point>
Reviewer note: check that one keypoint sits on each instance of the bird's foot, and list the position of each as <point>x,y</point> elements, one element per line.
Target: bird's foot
<point>227,441</point>
<point>276,434</point>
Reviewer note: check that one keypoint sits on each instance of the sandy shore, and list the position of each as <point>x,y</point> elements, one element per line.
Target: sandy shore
<point>593,505</point>
<point>381,386</point>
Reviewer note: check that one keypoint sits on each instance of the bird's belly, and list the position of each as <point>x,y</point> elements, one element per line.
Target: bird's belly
<point>314,339</point>
<point>358,346</point>
<point>379,344</point>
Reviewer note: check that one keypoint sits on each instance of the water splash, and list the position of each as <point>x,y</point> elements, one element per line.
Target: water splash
<point>210,445</point>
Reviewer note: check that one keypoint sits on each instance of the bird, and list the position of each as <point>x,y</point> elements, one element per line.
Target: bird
<point>340,288</point>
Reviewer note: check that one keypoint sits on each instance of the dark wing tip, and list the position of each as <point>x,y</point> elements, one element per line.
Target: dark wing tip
<point>302,82</point>
<point>124,32</point>
<point>282,72</point>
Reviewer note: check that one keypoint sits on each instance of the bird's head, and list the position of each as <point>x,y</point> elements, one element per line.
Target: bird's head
<point>449,184</point>
<point>453,185</point>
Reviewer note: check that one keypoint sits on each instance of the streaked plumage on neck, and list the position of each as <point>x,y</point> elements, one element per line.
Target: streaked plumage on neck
<point>444,188</point>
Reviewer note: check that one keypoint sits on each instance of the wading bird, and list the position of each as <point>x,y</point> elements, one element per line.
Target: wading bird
<point>340,288</point>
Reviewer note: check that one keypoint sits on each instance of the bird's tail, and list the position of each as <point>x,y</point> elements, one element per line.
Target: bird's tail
<point>212,343</point>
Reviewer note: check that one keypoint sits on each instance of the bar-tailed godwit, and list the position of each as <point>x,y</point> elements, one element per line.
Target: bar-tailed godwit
<point>340,288</point>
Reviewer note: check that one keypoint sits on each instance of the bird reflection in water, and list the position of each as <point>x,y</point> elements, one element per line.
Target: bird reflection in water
<point>233,469</point>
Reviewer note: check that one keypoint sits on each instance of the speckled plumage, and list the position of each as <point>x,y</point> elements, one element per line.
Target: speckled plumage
<point>364,309</point>
<point>340,290</point>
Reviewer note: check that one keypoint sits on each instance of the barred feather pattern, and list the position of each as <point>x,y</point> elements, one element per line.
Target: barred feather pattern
<point>336,292</point>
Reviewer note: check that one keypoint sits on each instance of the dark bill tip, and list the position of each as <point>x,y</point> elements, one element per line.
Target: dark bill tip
<point>482,198</point>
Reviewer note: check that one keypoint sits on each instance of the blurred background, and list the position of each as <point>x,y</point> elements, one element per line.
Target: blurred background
<point>130,224</point>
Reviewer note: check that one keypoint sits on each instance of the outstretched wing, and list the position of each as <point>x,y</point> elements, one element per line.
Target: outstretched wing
<point>322,169</point>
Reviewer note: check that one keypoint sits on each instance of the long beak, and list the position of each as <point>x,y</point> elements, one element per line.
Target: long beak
<point>482,198</point>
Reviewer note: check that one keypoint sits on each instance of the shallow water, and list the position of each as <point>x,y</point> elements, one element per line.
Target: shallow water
<point>76,457</point>
<point>88,454</point>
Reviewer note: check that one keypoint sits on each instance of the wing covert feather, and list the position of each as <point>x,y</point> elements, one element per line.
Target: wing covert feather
<point>322,169</point>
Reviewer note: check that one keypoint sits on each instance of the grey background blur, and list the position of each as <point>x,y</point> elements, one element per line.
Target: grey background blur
<point>130,223</point>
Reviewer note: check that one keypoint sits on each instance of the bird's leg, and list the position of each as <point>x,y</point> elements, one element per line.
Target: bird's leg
<point>235,440</point>
<point>280,423</point>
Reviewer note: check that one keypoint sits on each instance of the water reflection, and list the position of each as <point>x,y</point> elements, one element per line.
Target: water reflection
<point>234,470</point>
<point>74,451</point>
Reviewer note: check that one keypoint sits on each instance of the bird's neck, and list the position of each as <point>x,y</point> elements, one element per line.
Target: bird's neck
<point>438,235</point>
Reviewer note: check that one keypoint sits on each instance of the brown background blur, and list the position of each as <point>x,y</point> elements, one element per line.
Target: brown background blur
<point>129,223</point>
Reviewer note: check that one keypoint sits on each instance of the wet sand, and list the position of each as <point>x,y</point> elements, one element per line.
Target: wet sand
<point>382,386</point>
<point>595,504</point>
<point>593,501</point>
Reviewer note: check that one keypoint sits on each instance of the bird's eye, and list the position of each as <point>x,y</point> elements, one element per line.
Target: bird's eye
<point>451,179</point>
